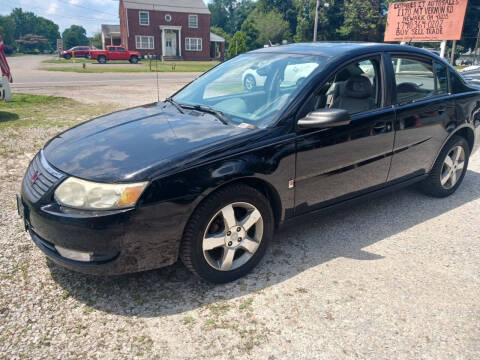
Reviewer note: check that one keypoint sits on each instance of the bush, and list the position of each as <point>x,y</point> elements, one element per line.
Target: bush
<point>238,44</point>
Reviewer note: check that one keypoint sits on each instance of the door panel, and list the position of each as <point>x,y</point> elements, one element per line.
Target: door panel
<point>420,132</point>
<point>112,54</point>
<point>122,54</point>
<point>341,162</point>
<point>424,112</point>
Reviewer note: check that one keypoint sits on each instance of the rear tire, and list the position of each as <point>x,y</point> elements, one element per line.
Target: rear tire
<point>102,59</point>
<point>449,169</point>
<point>228,234</point>
<point>87,56</point>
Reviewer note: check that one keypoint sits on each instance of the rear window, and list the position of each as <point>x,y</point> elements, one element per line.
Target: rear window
<point>442,79</point>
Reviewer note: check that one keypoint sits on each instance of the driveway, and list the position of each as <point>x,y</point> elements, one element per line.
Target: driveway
<point>125,89</point>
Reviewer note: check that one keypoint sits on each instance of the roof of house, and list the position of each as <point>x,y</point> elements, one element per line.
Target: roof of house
<point>216,38</point>
<point>185,6</point>
<point>110,29</point>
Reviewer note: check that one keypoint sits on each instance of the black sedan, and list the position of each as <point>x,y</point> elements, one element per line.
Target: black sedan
<point>208,175</point>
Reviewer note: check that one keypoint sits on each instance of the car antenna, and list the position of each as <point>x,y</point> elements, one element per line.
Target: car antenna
<point>156,70</point>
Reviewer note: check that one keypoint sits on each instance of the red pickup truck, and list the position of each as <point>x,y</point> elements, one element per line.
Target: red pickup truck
<point>115,53</point>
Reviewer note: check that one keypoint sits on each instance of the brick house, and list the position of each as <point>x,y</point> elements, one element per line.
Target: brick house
<point>171,29</point>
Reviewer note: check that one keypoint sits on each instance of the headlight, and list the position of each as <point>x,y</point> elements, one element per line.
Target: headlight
<point>81,194</point>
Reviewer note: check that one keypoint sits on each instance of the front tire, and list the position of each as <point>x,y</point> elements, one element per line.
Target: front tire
<point>133,60</point>
<point>449,169</point>
<point>228,234</point>
<point>68,57</point>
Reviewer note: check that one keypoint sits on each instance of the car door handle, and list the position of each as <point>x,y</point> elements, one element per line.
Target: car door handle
<point>382,127</point>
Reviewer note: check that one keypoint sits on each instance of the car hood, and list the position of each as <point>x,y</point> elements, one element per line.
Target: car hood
<point>139,144</point>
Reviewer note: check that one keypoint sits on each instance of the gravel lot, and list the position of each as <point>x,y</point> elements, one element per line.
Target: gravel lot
<point>124,89</point>
<point>396,277</point>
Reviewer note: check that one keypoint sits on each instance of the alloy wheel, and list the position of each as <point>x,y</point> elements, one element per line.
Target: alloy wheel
<point>250,83</point>
<point>453,167</point>
<point>232,236</point>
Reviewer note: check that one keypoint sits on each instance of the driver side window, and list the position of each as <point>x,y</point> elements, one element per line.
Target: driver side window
<point>415,79</point>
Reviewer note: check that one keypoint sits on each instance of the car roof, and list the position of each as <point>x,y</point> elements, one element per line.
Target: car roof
<point>341,49</point>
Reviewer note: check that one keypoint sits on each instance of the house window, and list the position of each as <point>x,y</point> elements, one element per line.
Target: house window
<point>193,21</point>
<point>145,42</point>
<point>144,18</point>
<point>193,44</point>
<point>168,18</point>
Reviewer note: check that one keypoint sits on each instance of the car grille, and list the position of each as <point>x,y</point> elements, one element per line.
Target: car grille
<point>40,178</point>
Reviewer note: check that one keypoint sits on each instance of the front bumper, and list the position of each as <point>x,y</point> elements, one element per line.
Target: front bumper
<point>99,242</point>
<point>119,242</point>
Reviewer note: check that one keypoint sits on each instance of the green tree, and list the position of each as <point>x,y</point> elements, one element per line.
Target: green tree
<point>242,11</point>
<point>29,23</point>
<point>75,35</point>
<point>220,32</point>
<point>222,14</point>
<point>363,20</point>
<point>329,20</point>
<point>96,40</point>
<point>271,27</point>
<point>238,45</point>
<point>229,15</point>
<point>7,30</point>
<point>251,33</point>
<point>286,8</point>
<point>31,43</point>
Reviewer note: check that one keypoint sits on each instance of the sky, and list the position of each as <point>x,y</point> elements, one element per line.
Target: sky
<point>88,13</point>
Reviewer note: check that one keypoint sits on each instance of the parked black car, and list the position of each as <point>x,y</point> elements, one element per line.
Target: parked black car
<point>210,173</point>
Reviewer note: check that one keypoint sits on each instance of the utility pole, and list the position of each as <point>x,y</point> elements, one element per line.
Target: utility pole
<point>476,46</point>
<point>452,56</point>
<point>315,28</point>
<point>443,48</point>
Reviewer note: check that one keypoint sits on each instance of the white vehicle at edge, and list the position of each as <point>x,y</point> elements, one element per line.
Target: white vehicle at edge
<point>294,74</point>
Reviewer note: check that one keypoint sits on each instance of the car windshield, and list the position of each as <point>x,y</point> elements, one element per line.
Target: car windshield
<point>252,88</point>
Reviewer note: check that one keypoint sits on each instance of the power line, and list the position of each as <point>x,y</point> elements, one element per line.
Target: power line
<point>88,8</point>
<point>74,17</point>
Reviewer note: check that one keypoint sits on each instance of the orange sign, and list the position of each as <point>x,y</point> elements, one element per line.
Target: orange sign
<point>426,20</point>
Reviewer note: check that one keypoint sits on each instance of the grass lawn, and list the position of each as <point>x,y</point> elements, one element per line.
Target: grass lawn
<point>29,121</point>
<point>181,66</point>
<point>46,111</point>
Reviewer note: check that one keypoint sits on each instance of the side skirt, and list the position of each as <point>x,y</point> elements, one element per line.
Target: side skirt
<point>328,209</point>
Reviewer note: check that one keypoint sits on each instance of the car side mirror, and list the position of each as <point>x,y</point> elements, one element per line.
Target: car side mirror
<point>325,118</point>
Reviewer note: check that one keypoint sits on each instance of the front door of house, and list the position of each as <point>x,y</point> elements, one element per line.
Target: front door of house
<point>170,44</point>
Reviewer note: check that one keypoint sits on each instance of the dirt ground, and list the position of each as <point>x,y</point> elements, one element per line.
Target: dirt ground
<point>396,277</point>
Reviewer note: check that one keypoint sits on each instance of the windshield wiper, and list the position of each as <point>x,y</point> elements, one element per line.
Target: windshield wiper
<point>207,109</point>
<point>174,103</point>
